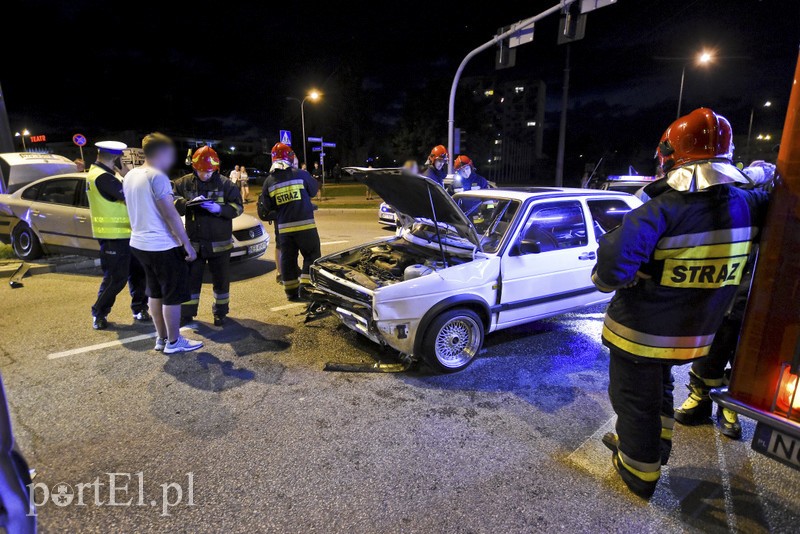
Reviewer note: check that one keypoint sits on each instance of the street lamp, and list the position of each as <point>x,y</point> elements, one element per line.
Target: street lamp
<point>314,96</point>
<point>766,104</point>
<point>704,58</point>
<point>24,133</point>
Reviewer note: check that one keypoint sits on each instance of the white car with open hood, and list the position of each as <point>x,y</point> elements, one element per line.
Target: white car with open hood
<point>464,266</point>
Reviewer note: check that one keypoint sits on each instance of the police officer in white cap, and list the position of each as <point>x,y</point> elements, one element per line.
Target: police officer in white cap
<point>112,228</point>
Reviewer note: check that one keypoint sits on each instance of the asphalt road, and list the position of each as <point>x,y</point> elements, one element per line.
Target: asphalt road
<point>274,444</point>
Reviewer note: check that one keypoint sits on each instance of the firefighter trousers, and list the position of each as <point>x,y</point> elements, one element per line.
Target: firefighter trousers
<point>305,242</point>
<point>219,266</point>
<point>119,267</point>
<point>711,369</point>
<point>641,393</point>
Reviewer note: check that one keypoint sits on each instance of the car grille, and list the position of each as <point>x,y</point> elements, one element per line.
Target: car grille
<point>325,283</point>
<point>250,233</point>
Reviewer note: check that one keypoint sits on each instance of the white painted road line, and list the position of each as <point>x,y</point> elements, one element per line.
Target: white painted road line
<point>333,243</point>
<point>288,306</point>
<point>99,346</point>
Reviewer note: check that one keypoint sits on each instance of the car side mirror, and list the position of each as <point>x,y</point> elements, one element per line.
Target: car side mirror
<point>526,246</point>
<point>529,246</point>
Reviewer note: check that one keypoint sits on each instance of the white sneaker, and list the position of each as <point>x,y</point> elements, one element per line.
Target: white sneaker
<point>182,345</point>
<point>161,342</point>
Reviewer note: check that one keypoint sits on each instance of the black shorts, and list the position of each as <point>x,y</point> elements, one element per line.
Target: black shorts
<point>167,274</point>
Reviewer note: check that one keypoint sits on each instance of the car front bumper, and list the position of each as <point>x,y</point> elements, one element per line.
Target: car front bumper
<point>354,309</point>
<point>249,250</point>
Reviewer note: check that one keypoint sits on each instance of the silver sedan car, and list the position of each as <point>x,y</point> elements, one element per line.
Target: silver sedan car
<point>51,216</point>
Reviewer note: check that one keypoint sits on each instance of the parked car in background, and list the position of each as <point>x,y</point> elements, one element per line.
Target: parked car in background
<point>387,215</point>
<point>51,216</point>
<point>626,184</point>
<point>464,266</point>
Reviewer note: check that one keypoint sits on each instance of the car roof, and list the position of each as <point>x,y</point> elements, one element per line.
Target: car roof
<point>526,193</point>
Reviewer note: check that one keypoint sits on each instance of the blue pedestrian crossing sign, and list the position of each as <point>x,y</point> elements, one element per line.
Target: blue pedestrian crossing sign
<point>286,137</point>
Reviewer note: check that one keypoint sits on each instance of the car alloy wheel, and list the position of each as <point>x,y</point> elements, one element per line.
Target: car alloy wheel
<point>452,340</point>
<point>25,243</point>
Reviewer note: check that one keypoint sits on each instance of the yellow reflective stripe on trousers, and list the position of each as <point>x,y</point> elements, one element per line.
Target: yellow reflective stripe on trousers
<point>652,346</point>
<point>723,250</point>
<point>291,284</point>
<point>645,471</point>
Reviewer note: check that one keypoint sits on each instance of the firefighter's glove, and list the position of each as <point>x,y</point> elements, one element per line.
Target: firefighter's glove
<point>211,207</point>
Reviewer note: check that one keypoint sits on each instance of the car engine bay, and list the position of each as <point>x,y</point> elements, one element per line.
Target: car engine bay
<point>388,263</point>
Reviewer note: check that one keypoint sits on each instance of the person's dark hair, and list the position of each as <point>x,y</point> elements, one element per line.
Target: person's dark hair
<point>154,142</point>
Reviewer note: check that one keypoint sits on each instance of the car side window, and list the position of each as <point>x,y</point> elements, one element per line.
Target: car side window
<point>607,214</point>
<point>555,226</point>
<point>83,199</point>
<point>58,191</point>
<point>31,192</point>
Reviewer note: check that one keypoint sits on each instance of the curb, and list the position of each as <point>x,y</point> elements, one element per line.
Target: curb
<point>44,268</point>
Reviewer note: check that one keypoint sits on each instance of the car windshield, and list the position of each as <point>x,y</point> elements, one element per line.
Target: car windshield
<point>491,217</point>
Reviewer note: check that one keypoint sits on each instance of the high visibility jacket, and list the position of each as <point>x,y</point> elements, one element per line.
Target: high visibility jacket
<point>288,192</point>
<point>109,218</point>
<point>209,232</point>
<point>695,247</point>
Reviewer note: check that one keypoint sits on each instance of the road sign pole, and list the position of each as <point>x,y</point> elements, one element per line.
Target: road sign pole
<point>84,161</point>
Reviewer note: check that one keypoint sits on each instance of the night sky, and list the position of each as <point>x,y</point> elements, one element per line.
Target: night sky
<point>225,68</point>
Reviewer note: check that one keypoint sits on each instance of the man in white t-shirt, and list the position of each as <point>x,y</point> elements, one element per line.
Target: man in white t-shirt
<point>235,174</point>
<point>159,241</point>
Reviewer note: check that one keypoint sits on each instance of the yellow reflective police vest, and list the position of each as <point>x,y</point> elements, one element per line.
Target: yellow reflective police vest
<point>109,219</point>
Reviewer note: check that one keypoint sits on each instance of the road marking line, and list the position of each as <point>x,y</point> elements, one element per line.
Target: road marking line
<point>109,344</point>
<point>333,243</point>
<point>727,487</point>
<point>288,306</point>
<point>585,456</point>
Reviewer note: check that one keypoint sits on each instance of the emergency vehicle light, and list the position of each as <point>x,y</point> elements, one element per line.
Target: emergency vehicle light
<point>787,399</point>
<point>629,177</point>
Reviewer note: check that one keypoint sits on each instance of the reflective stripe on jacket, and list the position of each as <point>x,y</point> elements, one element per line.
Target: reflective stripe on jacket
<point>109,218</point>
<point>694,246</point>
<point>288,192</point>
<point>205,229</point>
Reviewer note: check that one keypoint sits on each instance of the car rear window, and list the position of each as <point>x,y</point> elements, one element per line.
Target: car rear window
<point>607,214</point>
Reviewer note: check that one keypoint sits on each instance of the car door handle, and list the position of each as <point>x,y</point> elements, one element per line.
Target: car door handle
<point>35,213</point>
<point>80,218</point>
<point>588,256</point>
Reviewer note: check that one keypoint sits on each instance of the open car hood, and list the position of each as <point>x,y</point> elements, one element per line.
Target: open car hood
<point>416,197</point>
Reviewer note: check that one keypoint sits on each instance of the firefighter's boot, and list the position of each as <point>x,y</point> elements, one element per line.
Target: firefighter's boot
<point>640,479</point>
<point>729,423</point>
<point>696,410</point>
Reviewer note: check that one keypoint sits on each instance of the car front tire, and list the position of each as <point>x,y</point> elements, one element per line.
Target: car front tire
<point>453,340</point>
<point>25,243</point>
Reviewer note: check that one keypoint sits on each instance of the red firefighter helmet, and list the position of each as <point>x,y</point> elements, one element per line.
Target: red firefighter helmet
<point>438,152</point>
<point>462,161</point>
<point>700,135</point>
<point>282,152</point>
<point>205,159</point>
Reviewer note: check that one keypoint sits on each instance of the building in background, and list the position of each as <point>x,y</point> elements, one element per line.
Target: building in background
<point>508,141</point>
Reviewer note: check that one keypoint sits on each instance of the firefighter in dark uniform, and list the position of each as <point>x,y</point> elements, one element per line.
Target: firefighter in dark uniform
<point>466,177</point>
<point>209,202</point>
<point>436,167</point>
<point>676,263</point>
<point>288,192</point>
<point>710,372</point>
<point>112,228</point>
